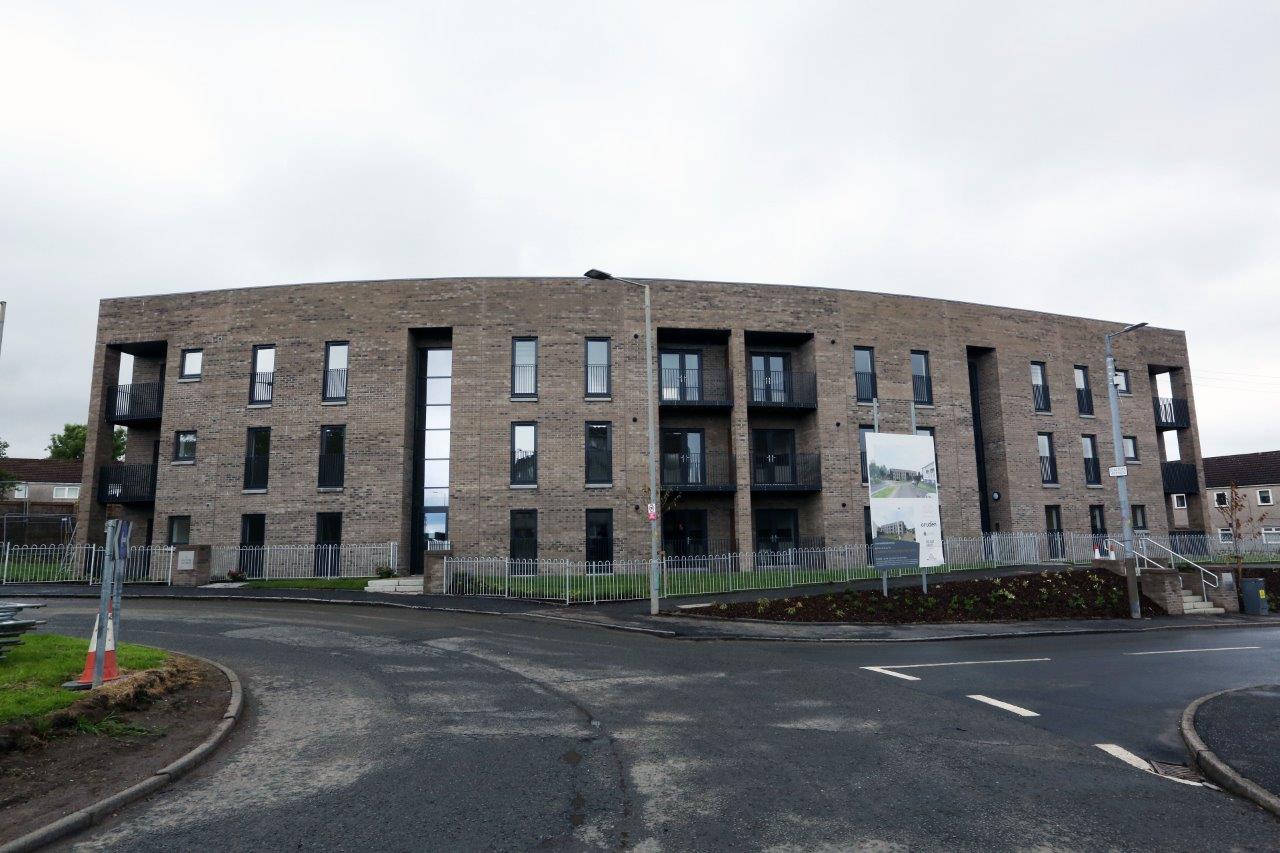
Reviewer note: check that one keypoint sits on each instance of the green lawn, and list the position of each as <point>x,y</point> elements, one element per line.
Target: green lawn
<point>31,674</point>
<point>41,571</point>
<point>310,583</point>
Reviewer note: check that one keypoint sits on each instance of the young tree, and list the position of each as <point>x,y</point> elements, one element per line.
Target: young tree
<point>1238,518</point>
<point>69,444</point>
<point>6,481</point>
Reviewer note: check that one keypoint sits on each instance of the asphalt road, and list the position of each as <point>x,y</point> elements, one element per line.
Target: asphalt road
<point>396,730</point>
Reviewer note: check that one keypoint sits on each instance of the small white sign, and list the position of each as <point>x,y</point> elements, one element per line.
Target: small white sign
<point>1118,470</point>
<point>186,561</point>
<point>653,512</point>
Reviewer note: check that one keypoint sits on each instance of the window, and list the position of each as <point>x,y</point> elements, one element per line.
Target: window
<point>191,364</point>
<point>184,445</point>
<point>931,432</point>
<point>921,379</point>
<point>19,491</point>
<point>599,453</point>
<point>1130,444</point>
<point>1264,497</point>
<point>257,458</point>
<point>1225,535</point>
<point>435,393</point>
<point>1122,382</point>
<point>597,368</point>
<point>66,493</point>
<point>682,459</point>
<point>524,454</point>
<point>179,530</point>
<point>681,375</point>
<point>1271,535</point>
<point>262,375</point>
<point>1084,394</point>
<point>1139,516</point>
<point>1040,387</point>
<point>863,431</point>
<point>1048,461</point>
<point>1220,499</point>
<point>1097,520</point>
<point>328,556</point>
<point>524,534</point>
<point>864,373</point>
<point>600,536</point>
<point>333,457</point>
<point>1092,468</point>
<point>524,367</point>
<point>334,389</point>
<point>1179,501</point>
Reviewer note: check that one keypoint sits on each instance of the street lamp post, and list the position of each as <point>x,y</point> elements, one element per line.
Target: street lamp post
<point>600,275</point>
<point>1122,480</point>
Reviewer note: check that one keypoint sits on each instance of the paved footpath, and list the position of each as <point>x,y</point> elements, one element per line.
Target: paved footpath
<point>394,729</point>
<point>1243,728</point>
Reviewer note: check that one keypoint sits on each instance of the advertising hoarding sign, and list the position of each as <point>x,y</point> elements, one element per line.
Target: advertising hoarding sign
<point>902,477</point>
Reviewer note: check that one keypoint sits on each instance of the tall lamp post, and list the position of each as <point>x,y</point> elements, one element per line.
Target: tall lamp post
<point>1122,479</point>
<point>600,275</point>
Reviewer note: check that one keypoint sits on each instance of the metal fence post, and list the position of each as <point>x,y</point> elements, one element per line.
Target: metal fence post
<point>168,581</point>
<point>566,581</point>
<point>4,578</point>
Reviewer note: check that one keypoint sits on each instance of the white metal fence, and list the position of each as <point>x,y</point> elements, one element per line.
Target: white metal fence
<point>81,564</point>
<point>291,562</point>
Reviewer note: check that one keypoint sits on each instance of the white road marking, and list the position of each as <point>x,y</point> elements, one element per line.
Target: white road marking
<point>1140,763</point>
<point>1021,712</point>
<point>886,671</point>
<point>1186,651</point>
<point>889,670</point>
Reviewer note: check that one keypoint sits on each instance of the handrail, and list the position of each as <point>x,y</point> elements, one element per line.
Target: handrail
<point>1136,555</point>
<point>1207,578</point>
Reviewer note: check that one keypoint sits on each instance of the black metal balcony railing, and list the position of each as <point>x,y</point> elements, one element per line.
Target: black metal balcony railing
<point>786,472</point>
<point>332,470</point>
<point>1040,397</point>
<point>118,484</point>
<point>922,387</point>
<point>1084,400</point>
<point>705,472</point>
<point>524,380</point>
<point>784,388</point>
<point>701,387</point>
<point>864,385</point>
<point>335,384</point>
<point>261,387</point>
<point>1179,478</point>
<point>256,470</point>
<point>1048,469</point>
<point>1171,412</point>
<point>140,401</point>
<point>1092,471</point>
<point>597,379</point>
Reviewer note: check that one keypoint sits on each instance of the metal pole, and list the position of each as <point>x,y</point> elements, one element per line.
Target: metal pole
<point>1122,485</point>
<point>2,306</point>
<point>653,453</point>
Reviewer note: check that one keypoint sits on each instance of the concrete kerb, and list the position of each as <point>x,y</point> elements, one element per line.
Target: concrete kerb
<point>1212,766</point>
<point>91,814</point>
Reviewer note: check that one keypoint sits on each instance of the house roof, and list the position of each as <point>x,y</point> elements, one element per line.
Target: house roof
<point>43,470</point>
<point>1243,469</point>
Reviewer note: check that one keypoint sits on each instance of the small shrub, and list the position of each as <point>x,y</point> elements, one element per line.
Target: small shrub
<point>386,572</point>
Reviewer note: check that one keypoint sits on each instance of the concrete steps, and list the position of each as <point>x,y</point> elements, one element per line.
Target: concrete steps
<point>1194,605</point>
<point>405,586</point>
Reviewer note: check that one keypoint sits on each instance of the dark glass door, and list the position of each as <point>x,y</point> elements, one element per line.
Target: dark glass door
<point>684,533</point>
<point>773,453</point>
<point>776,529</point>
<point>681,375</point>
<point>769,375</point>
<point>253,534</point>
<point>683,457</point>
<point>328,563</point>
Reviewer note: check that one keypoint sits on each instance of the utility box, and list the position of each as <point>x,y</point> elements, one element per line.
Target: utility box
<point>1253,592</point>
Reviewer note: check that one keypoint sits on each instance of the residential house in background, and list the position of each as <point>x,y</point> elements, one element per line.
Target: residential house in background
<point>1257,476</point>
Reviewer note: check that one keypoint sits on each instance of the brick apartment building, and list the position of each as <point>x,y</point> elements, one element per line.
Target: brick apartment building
<point>496,416</point>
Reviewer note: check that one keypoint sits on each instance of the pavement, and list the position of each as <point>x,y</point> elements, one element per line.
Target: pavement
<point>1243,729</point>
<point>401,729</point>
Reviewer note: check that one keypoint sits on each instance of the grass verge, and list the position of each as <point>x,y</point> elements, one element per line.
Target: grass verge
<point>309,583</point>
<point>31,675</point>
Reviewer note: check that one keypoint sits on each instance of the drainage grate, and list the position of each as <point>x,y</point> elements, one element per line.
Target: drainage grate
<point>1177,771</point>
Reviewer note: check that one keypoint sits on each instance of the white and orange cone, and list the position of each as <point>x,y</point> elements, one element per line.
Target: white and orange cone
<point>110,669</point>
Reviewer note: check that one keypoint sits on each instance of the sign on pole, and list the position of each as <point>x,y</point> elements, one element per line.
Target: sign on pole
<point>902,476</point>
<point>1118,470</point>
<point>653,512</point>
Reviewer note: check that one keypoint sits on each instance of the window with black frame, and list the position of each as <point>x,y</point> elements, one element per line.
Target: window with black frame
<point>1053,528</point>
<point>257,458</point>
<point>184,445</point>
<point>599,463</point>
<point>262,375</point>
<point>179,530</point>
<point>336,354</point>
<point>333,456</point>
<point>1092,467</point>
<point>191,365</point>
<point>524,539</point>
<point>864,374</point>
<point>328,558</point>
<point>921,378</point>
<point>1040,400</point>
<point>599,533</point>
<point>436,390</point>
<point>1048,460</point>
<point>524,367</point>
<point>1084,393</point>
<point>597,379</point>
<point>524,454</point>
<point>251,557</point>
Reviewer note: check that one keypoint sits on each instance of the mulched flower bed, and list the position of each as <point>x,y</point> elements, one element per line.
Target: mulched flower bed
<point>1048,595</point>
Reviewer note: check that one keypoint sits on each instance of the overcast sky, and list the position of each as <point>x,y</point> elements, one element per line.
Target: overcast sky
<point>1118,160</point>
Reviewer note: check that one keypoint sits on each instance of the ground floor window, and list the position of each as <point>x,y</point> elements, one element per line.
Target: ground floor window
<point>1097,520</point>
<point>179,530</point>
<point>1139,513</point>
<point>777,529</point>
<point>600,535</point>
<point>328,544</point>
<point>1271,535</point>
<point>1225,535</point>
<point>524,534</point>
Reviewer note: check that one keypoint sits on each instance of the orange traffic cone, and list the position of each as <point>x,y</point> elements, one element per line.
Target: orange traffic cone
<point>110,670</point>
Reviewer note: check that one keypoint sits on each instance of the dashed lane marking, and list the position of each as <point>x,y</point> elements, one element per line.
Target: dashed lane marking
<point>890,669</point>
<point>1188,651</point>
<point>996,703</point>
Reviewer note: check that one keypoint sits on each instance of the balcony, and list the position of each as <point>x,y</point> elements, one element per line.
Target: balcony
<point>1049,470</point>
<point>778,472</point>
<point>1040,398</point>
<point>126,484</point>
<point>1092,472</point>
<point>1179,478</point>
<point>332,470</point>
<point>136,403</point>
<point>1171,413</point>
<point>692,472</point>
<point>922,389</point>
<point>707,388</point>
<point>1084,401</point>
<point>783,389</point>
<point>865,385</point>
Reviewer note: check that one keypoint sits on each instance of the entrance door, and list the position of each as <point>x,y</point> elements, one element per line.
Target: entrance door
<point>769,375</point>
<point>776,529</point>
<point>1053,527</point>
<point>328,545</point>
<point>684,533</point>
<point>681,375</point>
<point>253,534</point>
<point>683,457</point>
<point>773,453</point>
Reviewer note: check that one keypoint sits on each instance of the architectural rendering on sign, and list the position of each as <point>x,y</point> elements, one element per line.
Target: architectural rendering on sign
<point>507,417</point>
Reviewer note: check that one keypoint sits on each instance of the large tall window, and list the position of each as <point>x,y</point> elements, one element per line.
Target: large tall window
<point>524,534</point>
<point>921,378</point>
<point>864,373</point>
<point>1084,393</point>
<point>524,367</point>
<point>599,537</point>
<point>1092,468</point>
<point>863,431</point>
<point>262,378</point>
<point>524,454</point>
<point>1040,387</point>
<point>335,371</point>
<point>437,399</point>
<point>257,458</point>
<point>1048,461</point>
<point>597,367</point>
<point>333,456</point>
<point>599,453</point>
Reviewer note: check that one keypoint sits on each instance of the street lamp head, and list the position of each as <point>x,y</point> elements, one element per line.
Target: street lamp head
<point>599,275</point>
<point>1133,327</point>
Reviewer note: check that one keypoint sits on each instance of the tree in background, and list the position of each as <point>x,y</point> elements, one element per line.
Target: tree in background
<point>1239,519</point>
<point>69,444</point>
<point>6,481</point>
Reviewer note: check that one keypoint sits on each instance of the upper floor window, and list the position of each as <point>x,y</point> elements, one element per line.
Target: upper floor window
<point>597,367</point>
<point>864,373</point>
<point>1084,394</point>
<point>335,371</point>
<point>599,453</point>
<point>19,491</point>
<point>1264,497</point>
<point>192,364</point>
<point>1040,386</point>
<point>66,493</point>
<point>524,367</point>
<point>863,431</point>
<point>184,445</point>
<point>1092,468</point>
<point>1048,461</point>
<point>1220,499</point>
<point>1130,448</point>
<point>1122,382</point>
<point>263,374</point>
<point>333,456</point>
<point>1139,516</point>
<point>257,457</point>
<point>1180,501</point>
<point>524,454</point>
<point>932,433</point>
<point>921,379</point>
